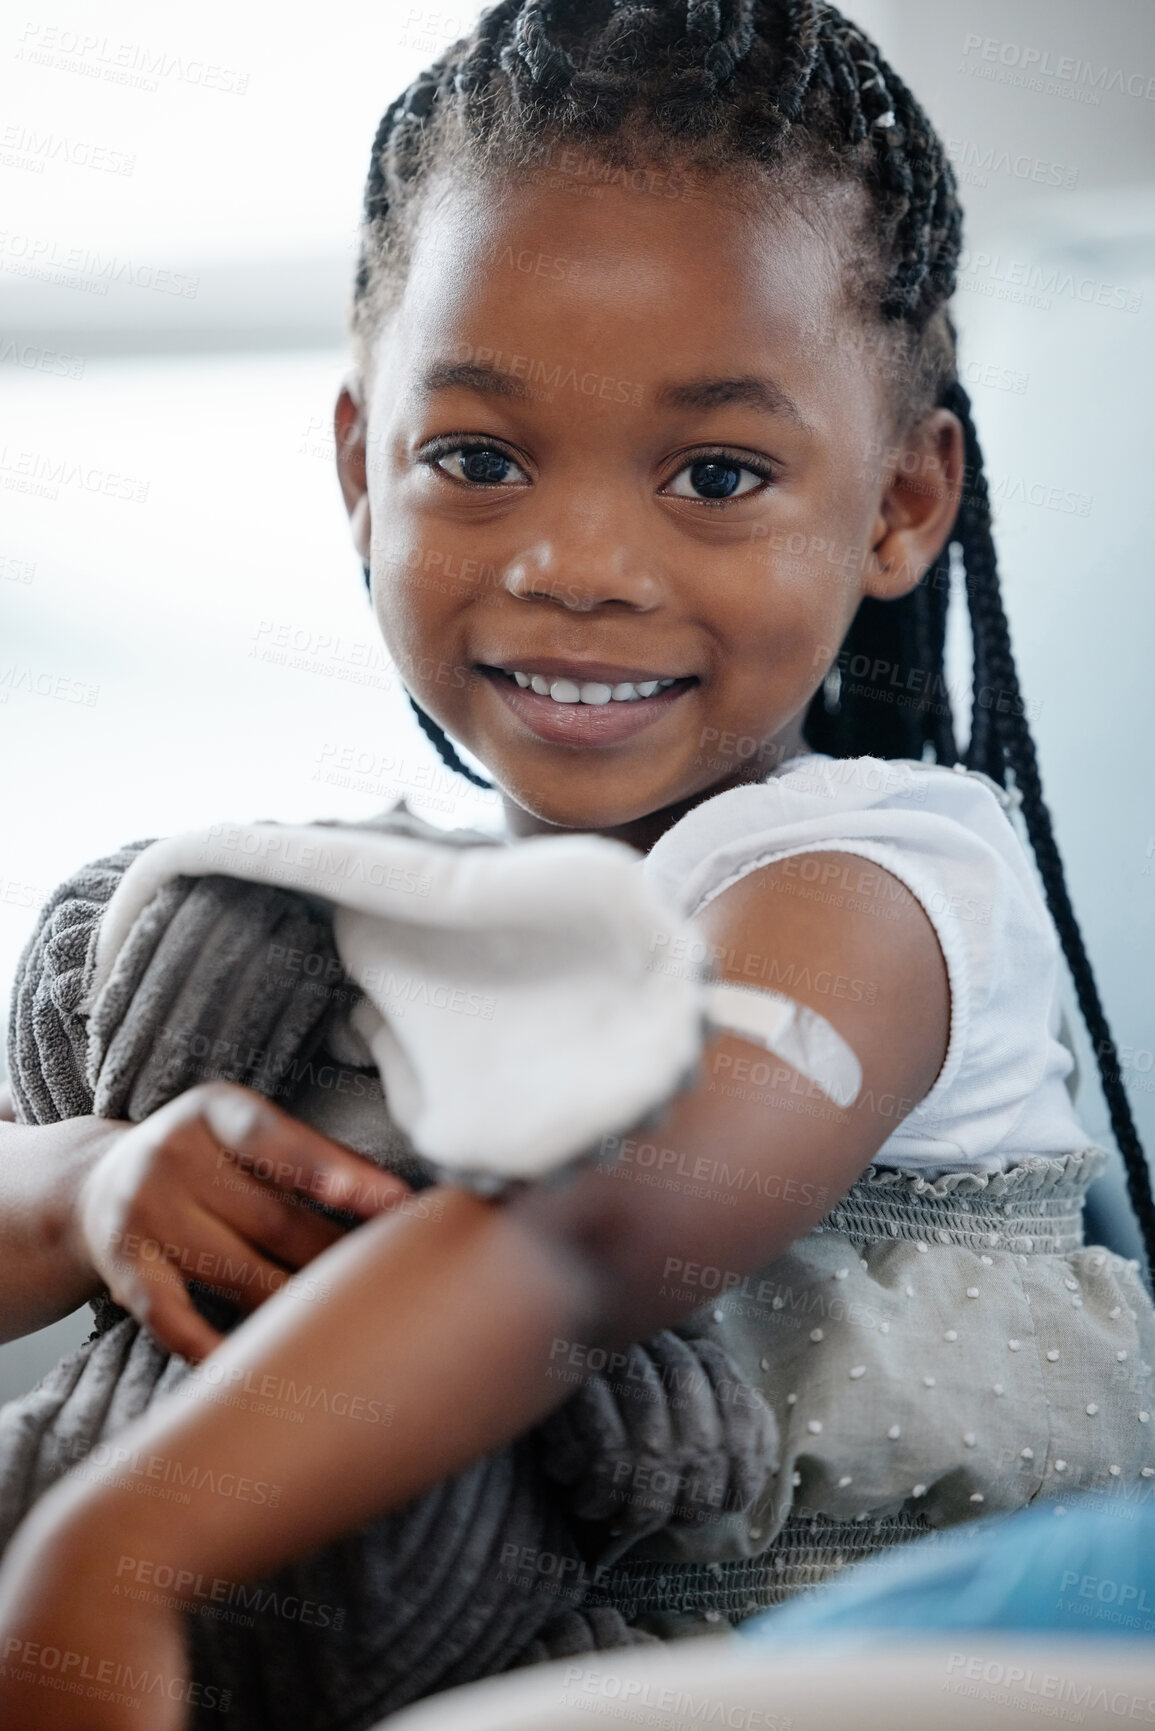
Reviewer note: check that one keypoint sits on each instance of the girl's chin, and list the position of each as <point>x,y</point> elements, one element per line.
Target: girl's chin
<point>546,810</point>
<point>606,802</point>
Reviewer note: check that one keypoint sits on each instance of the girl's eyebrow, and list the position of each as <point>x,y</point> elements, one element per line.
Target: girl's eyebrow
<point>475,376</point>
<point>748,389</point>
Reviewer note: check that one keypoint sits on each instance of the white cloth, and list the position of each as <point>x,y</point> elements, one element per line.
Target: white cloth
<point>511,1000</point>
<point>1000,1096</point>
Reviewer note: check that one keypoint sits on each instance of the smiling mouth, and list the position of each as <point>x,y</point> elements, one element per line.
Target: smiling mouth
<point>579,688</point>
<point>592,705</point>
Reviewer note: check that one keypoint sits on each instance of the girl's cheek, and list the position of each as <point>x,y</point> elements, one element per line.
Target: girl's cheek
<point>797,592</point>
<point>398,604</point>
<point>402,569</point>
<point>417,613</point>
<point>787,640</point>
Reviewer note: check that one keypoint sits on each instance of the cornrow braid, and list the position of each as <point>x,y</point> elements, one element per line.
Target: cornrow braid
<point>802,45</point>
<point>720,85</point>
<point>546,64</point>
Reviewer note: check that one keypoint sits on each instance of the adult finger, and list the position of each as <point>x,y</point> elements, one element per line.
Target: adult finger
<point>152,1283</point>
<point>162,1303</point>
<point>287,1227</point>
<point>282,1151</point>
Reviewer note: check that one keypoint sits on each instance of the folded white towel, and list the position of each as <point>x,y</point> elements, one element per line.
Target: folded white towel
<point>511,997</point>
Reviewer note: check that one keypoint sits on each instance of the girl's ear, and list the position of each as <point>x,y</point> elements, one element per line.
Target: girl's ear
<point>922,488</point>
<point>350,432</point>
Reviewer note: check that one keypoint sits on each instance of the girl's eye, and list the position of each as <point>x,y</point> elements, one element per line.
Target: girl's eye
<point>715,478</point>
<point>480,465</point>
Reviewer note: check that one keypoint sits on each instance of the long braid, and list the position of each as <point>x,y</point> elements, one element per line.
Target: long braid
<point>443,745</point>
<point>722,84</point>
<point>1008,745</point>
<point>435,734</point>
<point>930,627</point>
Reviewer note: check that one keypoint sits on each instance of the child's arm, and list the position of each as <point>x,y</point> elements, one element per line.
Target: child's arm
<point>448,1326</point>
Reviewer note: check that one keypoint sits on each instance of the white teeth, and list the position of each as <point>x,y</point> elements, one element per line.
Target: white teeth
<point>593,691</point>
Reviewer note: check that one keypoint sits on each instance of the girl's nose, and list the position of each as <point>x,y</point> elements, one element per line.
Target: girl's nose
<point>583,578</point>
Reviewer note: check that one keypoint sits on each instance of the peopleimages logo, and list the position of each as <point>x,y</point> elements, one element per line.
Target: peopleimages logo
<point>993,275</point>
<point>1026,1686</point>
<point>139,65</point>
<point>1034,66</point>
<point>78,267</point>
<point>974,163</point>
<point>24,147</point>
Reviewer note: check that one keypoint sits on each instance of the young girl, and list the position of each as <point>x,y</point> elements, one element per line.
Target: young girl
<point>655,451</point>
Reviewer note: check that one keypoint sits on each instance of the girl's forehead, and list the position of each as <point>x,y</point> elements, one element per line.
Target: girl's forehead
<point>698,267</point>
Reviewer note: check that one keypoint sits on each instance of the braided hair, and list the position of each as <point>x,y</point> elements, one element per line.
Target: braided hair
<point>776,86</point>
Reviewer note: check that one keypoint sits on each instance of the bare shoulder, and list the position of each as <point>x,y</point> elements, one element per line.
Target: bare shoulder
<point>844,936</point>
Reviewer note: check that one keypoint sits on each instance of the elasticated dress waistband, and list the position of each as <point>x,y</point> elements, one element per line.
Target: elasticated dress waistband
<point>1035,1206</point>
<point>805,1554</point>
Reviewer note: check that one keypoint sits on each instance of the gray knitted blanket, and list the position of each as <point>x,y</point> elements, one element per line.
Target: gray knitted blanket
<point>485,1572</point>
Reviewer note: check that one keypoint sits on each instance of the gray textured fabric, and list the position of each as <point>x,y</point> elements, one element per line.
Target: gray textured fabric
<point>199,975</point>
<point>47,1034</point>
<point>198,991</point>
<point>432,1595</point>
<point>674,1438</point>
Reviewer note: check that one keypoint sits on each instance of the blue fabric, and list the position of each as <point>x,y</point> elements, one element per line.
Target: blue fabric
<point>1081,1568</point>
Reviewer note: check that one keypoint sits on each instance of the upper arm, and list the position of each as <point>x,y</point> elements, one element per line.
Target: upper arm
<point>847,938</point>
<point>748,1159</point>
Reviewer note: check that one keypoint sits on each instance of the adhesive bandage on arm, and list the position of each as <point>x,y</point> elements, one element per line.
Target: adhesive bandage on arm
<point>792,1031</point>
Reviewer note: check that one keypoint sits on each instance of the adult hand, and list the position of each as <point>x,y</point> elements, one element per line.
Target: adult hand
<point>219,1186</point>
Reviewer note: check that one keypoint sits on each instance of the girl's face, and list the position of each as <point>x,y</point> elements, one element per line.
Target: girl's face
<point>616,441</point>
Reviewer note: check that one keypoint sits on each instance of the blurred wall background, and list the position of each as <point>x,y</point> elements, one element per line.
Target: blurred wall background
<point>179,201</point>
